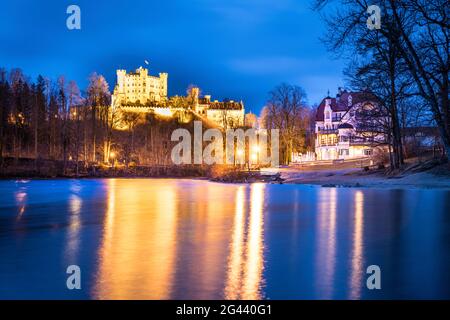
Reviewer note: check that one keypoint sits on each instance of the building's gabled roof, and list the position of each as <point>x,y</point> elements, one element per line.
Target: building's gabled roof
<point>341,103</point>
<point>203,101</point>
<point>226,104</point>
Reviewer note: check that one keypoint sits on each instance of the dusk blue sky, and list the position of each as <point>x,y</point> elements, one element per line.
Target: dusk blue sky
<point>237,49</point>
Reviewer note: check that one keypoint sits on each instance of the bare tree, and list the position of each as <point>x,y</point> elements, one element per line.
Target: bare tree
<point>419,31</point>
<point>384,75</point>
<point>75,102</point>
<point>114,119</point>
<point>98,96</point>
<point>286,110</point>
<point>131,119</point>
<point>5,106</point>
<point>64,116</point>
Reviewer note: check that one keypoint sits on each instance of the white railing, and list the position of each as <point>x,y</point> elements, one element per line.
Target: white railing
<point>298,157</point>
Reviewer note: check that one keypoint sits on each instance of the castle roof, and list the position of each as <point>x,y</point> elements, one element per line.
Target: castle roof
<point>225,105</point>
<point>203,101</point>
<point>220,105</point>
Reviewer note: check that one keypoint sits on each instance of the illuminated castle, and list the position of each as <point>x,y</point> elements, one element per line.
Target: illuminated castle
<point>139,87</point>
<point>141,93</point>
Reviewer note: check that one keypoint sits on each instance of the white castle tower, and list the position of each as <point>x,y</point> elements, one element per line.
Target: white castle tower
<point>139,87</point>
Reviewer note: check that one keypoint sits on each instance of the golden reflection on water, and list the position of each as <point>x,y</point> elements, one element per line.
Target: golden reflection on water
<point>326,251</point>
<point>246,260</point>
<point>138,251</point>
<point>234,275</point>
<point>357,250</point>
<point>255,246</point>
<point>209,240</point>
<point>157,243</point>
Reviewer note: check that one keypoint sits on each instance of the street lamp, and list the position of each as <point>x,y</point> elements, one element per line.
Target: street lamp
<point>239,154</point>
<point>112,155</point>
<point>255,154</point>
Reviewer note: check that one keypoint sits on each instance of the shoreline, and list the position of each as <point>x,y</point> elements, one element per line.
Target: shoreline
<point>356,178</point>
<point>378,185</point>
<point>370,182</point>
<point>427,175</point>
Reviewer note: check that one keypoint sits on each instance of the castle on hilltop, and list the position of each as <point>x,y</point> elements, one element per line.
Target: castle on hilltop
<point>140,92</point>
<point>139,87</point>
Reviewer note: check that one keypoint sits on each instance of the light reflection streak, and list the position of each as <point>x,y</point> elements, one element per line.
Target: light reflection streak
<point>246,261</point>
<point>357,250</point>
<point>234,276</point>
<point>326,262</point>
<point>110,214</point>
<point>255,246</point>
<point>21,201</point>
<point>73,234</point>
<point>212,241</point>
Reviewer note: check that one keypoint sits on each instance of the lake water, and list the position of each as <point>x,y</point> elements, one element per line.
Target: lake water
<point>194,239</point>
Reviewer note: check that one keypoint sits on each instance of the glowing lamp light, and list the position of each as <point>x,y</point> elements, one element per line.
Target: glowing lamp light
<point>165,112</point>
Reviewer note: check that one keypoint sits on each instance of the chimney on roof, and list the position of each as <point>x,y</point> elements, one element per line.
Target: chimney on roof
<point>208,97</point>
